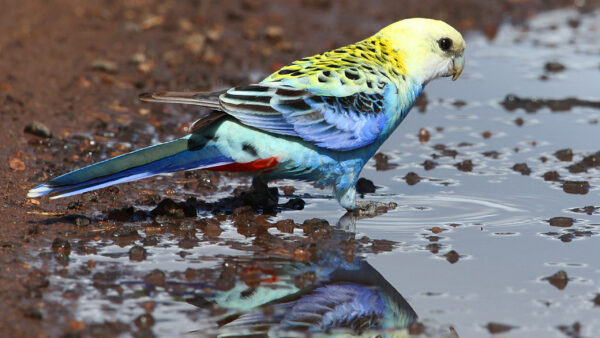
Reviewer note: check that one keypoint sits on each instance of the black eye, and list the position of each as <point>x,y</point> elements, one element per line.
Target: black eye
<point>445,44</point>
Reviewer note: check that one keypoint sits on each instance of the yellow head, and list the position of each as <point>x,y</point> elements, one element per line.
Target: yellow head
<point>428,48</point>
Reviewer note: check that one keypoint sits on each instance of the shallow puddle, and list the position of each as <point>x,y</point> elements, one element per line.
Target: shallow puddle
<point>468,249</point>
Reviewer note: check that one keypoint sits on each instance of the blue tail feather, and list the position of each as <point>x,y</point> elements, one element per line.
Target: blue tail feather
<point>151,161</point>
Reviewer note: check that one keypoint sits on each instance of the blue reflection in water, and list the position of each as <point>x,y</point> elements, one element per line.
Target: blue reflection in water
<point>335,291</point>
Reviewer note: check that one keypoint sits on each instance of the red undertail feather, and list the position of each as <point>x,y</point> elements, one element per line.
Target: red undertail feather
<point>262,164</point>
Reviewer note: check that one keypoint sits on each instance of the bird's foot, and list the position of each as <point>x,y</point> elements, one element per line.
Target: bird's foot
<point>365,209</point>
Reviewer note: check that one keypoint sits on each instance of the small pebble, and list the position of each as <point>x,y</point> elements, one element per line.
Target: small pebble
<point>565,155</point>
<point>137,253</point>
<point>495,328</point>
<point>144,321</point>
<point>106,66</point>
<point>38,129</point>
<point>412,178</point>
<point>558,280</point>
<point>424,135</point>
<point>563,222</point>
<point>576,187</point>
<point>522,168</point>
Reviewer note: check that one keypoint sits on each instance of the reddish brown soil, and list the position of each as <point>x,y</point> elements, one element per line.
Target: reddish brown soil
<point>75,66</point>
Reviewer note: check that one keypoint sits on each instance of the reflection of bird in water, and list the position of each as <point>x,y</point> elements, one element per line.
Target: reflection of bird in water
<point>335,291</point>
<point>319,119</point>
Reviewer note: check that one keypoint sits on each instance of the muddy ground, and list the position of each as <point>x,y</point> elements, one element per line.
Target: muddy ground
<point>78,67</point>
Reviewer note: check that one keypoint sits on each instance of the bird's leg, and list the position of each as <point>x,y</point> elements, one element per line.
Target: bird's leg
<point>366,209</point>
<point>346,195</point>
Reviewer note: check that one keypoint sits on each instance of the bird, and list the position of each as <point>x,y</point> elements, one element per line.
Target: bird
<point>319,119</point>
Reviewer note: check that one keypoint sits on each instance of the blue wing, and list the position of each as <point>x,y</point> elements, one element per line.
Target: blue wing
<point>332,122</point>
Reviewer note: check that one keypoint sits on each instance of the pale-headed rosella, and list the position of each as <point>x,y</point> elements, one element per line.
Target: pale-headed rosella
<point>319,119</point>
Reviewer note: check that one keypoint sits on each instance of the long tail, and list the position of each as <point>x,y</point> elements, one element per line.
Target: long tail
<point>167,157</point>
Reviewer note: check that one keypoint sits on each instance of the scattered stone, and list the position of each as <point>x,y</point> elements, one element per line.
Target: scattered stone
<point>168,207</point>
<point>519,121</point>
<point>522,168</point>
<point>156,278</point>
<point>106,66</point>
<point>551,176</point>
<point>16,164</point>
<point>38,129</point>
<point>125,231</point>
<point>294,204</point>
<point>558,280</point>
<point>61,245</point>
<point>576,187</point>
<point>596,300</point>
<point>573,331</point>
<point>452,256</point>
<point>415,329</point>
<point>288,190</point>
<point>365,186</point>
<point>144,321</point>
<point>495,328</point>
<point>486,134</point>
<point>412,178</point>
<point>492,154</point>
<point>382,162</point>
<point>121,215</point>
<point>105,279</point>
<point>81,221</point>
<point>428,164</point>
<point>466,166</point>
<point>512,102</point>
<point>137,253</point>
<point>563,222</point>
<point>286,225</point>
<point>588,209</point>
<point>554,67</point>
<point>565,155</point>
<point>424,135</point>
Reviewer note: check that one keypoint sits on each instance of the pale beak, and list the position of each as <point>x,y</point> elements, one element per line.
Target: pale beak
<point>458,63</point>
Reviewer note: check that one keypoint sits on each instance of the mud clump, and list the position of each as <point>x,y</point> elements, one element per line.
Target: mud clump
<point>588,209</point>
<point>565,155</point>
<point>382,162</point>
<point>522,168</point>
<point>554,67</point>
<point>412,178</point>
<point>558,280</point>
<point>424,135</point>
<point>121,215</point>
<point>551,176</point>
<point>491,154</point>
<point>144,321</point>
<point>61,246</point>
<point>137,253</point>
<point>452,256</point>
<point>429,165</point>
<point>576,187</point>
<point>466,166</point>
<point>168,207</point>
<point>512,102</point>
<point>562,222</point>
<point>156,278</point>
<point>365,186</point>
<point>596,300</point>
<point>495,328</point>
<point>571,330</point>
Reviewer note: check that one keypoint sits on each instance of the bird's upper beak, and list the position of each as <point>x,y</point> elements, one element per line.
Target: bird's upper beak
<point>458,63</point>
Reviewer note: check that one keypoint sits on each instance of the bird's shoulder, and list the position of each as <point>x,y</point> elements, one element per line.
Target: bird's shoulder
<point>367,66</point>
